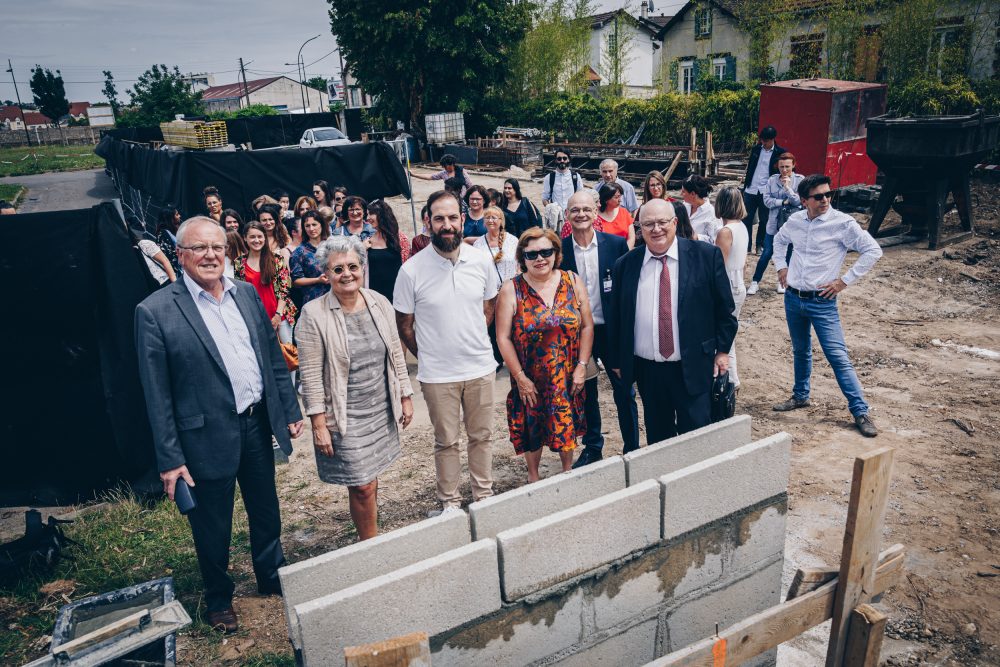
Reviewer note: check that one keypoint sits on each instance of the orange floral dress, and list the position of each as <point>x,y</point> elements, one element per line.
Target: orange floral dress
<point>547,341</point>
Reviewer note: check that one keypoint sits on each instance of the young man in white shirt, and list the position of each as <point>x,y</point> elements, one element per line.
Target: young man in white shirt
<point>557,187</point>
<point>762,165</point>
<point>444,300</point>
<point>822,236</point>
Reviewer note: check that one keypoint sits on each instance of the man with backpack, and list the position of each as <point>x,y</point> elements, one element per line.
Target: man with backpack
<point>557,187</point>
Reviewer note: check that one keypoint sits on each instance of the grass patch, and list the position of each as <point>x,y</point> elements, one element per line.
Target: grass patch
<point>19,161</point>
<point>9,191</point>
<point>123,544</point>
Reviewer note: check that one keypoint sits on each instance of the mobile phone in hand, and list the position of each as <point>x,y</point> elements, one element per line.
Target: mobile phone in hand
<point>184,496</point>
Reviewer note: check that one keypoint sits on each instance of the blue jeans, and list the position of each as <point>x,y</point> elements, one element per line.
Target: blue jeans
<point>823,316</point>
<point>765,257</point>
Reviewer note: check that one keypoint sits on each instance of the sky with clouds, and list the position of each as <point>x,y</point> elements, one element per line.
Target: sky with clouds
<point>83,37</point>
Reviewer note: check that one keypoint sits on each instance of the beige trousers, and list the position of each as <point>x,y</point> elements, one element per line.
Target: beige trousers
<point>447,402</point>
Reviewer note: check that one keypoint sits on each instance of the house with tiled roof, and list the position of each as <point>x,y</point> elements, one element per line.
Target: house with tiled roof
<point>714,35</point>
<point>639,58</point>
<point>278,92</point>
<point>10,118</point>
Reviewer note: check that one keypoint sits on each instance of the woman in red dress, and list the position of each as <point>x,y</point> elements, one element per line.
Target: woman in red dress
<point>269,275</point>
<point>545,333</point>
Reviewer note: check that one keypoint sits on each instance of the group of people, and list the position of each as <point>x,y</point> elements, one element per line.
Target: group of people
<point>651,291</point>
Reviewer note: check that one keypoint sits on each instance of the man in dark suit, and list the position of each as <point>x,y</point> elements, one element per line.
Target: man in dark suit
<point>592,255</point>
<point>762,165</point>
<point>671,323</point>
<point>216,388</point>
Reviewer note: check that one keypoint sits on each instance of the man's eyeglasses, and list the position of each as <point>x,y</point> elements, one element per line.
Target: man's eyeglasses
<point>340,268</point>
<point>578,211</point>
<point>653,224</point>
<point>820,196</point>
<point>532,255</point>
<point>201,249</point>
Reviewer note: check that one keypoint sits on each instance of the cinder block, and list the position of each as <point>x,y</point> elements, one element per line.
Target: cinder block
<point>721,485</point>
<point>433,595</point>
<point>342,568</point>
<point>760,536</point>
<point>516,507</point>
<point>696,619</point>
<point>519,634</point>
<point>685,450</point>
<point>571,542</point>
<point>633,647</point>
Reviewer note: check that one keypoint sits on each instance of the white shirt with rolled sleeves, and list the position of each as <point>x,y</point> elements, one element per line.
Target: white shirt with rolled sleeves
<point>821,244</point>
<point>446,300</point>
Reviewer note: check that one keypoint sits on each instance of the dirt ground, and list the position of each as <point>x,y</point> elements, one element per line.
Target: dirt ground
<point>934,401</point>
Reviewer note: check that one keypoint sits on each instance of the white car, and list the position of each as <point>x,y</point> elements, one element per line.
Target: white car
<point>323,136</point>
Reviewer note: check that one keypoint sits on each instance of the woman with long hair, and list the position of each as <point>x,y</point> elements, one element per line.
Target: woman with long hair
<point>168,221</point>
<point>235,247</point>
<point>269,275</point>
<point>303,204</point>
<point>387,248</point>
<point>684,228</point>
<point>277,235</point>
<point>503,248</point>
<point>519,213</point>
<point>213,202</point>
<point>475,198</point>
<point>308,275</point>
<point>694,192</point>
<point>232,221</point>
<point>732,240</point>
<point>322,193</point>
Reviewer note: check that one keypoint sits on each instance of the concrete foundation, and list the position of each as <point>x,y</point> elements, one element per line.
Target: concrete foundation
<point>578,569</point>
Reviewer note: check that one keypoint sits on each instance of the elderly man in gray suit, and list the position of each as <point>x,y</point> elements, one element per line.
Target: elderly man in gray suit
<point>216,388</point>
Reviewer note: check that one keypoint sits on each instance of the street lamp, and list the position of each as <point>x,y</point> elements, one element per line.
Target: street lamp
<point>299,59</point>
<point>10,68</point>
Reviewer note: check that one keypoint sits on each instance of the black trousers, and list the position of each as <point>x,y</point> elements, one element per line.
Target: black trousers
<point>755,207</point>
<point>212,520</point>
<point>628,411</point>
<point>668,407</point>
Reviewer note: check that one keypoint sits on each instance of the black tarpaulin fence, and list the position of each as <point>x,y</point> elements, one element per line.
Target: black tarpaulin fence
<point>150,179</point>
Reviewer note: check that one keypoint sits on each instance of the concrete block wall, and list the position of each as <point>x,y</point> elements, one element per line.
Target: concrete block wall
<point>578,569</point>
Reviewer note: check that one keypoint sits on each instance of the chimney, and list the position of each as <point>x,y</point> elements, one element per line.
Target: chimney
<point>644,9</point>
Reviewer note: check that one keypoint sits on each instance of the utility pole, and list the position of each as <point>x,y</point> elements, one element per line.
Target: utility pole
<point>10,68</point>
<point>243,73</point>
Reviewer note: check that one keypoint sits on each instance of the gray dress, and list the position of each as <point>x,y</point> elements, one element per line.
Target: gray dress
<point>372,441</point>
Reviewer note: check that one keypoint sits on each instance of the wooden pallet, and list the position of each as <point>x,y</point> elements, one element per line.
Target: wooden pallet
<point>195,134</point>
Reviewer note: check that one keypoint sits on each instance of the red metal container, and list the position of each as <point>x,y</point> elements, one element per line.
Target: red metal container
<point>822,121</point>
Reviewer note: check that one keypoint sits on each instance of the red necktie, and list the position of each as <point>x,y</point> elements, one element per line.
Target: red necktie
<point>666,321</point>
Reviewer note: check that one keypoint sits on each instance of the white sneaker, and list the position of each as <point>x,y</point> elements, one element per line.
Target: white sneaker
<point>753,288</point>
<point>448,509</point>
<point>781,290</point>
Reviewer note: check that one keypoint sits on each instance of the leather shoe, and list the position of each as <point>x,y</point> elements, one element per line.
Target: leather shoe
<point>587,456</point>
<point>791,404</point>
<point>224,620</point>
<point>866,425</point>
<point>270,589</point>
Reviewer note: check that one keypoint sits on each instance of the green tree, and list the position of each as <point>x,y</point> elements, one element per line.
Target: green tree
<point>426,56</point>
<point>158,95</point>
<point>49,93</point>
<point>111,93</point>
<point>554,54</point>
<point>617,53</point>
<point>317,83</point>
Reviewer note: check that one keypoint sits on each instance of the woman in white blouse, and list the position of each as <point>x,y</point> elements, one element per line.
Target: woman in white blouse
<point>503,248</point>
<point>694,192</point>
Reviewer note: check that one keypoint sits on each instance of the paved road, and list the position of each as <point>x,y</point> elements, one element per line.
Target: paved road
<point>59,191</point>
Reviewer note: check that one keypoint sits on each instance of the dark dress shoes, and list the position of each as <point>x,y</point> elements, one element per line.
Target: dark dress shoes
<point>224,620</point>
<point>587,456</point>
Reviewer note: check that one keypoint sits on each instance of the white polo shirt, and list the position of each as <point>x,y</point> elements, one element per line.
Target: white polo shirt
<point>446,301</point>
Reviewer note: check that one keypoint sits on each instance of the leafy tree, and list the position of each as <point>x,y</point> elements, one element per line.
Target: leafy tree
<point>251,111</point>
<point>8,103</point>
<point>617,53</point>
<point>49,93</point>
<point>111,92</point>
<point>158,95</point>
<point>317,83</point>
<point>555,53</point>
<point>426,56</point>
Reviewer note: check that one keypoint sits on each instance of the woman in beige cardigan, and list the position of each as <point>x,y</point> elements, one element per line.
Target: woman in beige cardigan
<point>354,382</point>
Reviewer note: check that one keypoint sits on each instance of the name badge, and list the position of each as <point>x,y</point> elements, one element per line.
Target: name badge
<point>607,285</point>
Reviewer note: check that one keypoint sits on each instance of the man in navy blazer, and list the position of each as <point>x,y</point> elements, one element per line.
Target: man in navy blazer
<point>216,388</point>
<point>671,323</point>
<point>592,255</point>
<point>762,165</point>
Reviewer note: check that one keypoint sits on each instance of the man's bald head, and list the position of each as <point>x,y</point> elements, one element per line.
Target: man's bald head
<point>581,211</point>
<point>658,222</point>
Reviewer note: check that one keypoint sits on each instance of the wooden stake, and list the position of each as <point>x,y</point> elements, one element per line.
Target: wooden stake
<point>673,166</point>
<point>693,152</point>
<point>709,153</point>
<point>859,557</point>
<point>864,637</point>
<point>412,650</point>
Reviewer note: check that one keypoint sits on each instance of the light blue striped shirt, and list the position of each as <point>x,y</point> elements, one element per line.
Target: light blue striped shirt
<point>232,338</point>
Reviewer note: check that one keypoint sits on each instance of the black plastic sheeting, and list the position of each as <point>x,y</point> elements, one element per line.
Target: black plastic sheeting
<point>261,131</point>
<point>370,170</point>
<point>73,421</point>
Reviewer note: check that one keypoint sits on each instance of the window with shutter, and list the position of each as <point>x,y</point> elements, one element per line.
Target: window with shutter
<point>702,22</point>
<point>730,68</point>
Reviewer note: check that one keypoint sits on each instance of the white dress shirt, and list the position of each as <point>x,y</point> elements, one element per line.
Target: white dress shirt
<point>588,268</point>
<point>232,338</point>
<point>646,337</point>
<point>821,244</point>
<point>704,222</point>
<point>562,188</point>
<point>761,173</point>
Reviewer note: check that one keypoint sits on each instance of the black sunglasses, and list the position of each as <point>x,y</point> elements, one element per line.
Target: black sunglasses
<point>532,255</point>
<point>562,159</point>
<point>821,196</point>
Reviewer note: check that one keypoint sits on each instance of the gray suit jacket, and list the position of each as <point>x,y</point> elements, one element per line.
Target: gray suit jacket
<point>189,398</point>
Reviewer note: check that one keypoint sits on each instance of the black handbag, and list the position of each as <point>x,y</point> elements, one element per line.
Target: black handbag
<point>723,398</point>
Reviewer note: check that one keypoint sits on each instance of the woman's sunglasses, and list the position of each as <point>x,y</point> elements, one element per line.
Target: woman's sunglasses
<point>340,268</point>
<point>532,255</point>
